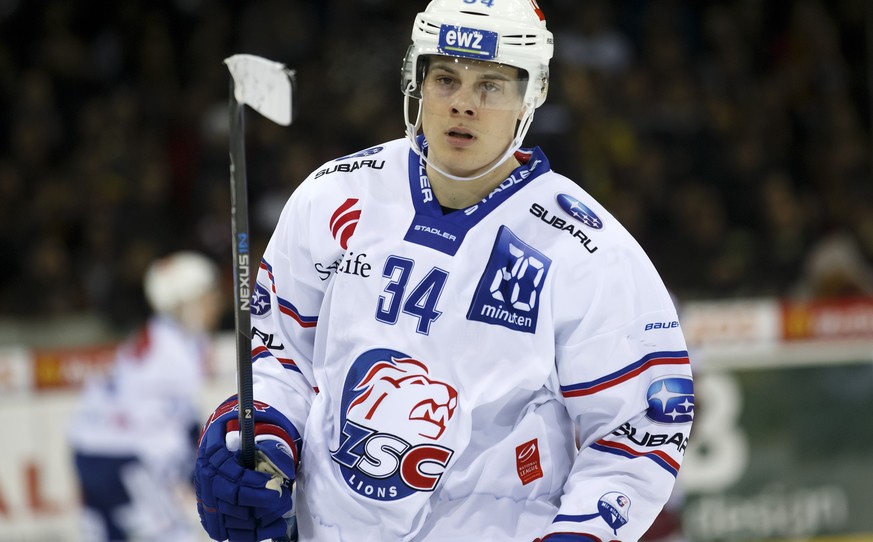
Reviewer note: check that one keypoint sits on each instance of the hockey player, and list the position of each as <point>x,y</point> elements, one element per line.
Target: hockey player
<point>134,433</point>
<point>453,341</point>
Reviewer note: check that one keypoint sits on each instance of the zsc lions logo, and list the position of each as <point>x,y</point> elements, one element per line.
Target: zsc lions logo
<point>392,414</point>
<point>671,400</point>
<point>579,211</point>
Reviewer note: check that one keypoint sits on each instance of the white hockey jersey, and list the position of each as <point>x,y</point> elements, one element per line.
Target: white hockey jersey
<point>147,405</point>
<point>507,371</point>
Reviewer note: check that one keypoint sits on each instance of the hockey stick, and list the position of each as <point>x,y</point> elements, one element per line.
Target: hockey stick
<point>268,88</point>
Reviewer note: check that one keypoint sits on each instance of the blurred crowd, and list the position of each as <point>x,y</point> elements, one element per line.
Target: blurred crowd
<point>732,138</point>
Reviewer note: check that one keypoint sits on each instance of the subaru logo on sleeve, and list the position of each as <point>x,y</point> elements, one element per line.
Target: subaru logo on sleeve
<point>579,211</point>
<point>468,42</point>
<point>671,400</point>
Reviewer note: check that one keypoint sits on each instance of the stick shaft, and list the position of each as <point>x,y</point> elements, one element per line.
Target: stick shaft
<point>242,270</point>
<point>242,280</point>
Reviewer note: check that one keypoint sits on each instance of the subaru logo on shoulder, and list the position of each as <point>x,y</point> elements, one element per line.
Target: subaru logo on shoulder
<point>362,154</point>
<point>579,211</point>
<point>671,400</point>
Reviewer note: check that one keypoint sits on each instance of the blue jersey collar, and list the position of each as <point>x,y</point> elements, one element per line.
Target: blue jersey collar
<point>445,233</point>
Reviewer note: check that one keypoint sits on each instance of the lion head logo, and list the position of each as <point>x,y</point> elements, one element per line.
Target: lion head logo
<point>398,395</point>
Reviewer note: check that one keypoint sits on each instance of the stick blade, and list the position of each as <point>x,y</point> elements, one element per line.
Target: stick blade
<point>263,85</point>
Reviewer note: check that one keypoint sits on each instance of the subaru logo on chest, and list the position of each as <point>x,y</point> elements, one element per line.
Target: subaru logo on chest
<point>468,42</point>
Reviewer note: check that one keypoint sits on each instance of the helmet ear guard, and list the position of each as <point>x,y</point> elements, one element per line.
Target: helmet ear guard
<point>412,74</point>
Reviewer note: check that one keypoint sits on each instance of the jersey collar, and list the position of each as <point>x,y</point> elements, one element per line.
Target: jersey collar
<point>445,233</point>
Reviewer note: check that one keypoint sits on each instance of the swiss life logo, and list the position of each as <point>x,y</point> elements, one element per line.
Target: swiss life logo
<point>468,42</point>
<point>344,221</point>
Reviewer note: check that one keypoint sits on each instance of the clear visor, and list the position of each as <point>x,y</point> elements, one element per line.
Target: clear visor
<point>466,83</point>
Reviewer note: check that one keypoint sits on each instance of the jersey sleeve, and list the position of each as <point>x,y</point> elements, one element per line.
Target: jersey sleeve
<point>284,309</point>
<point>626,381</point>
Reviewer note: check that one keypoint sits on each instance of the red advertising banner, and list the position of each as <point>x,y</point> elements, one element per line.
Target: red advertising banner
<point>68,368</point>
<point>827,319</point>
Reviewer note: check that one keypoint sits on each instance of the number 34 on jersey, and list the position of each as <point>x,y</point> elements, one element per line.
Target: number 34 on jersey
<point>507,294</point>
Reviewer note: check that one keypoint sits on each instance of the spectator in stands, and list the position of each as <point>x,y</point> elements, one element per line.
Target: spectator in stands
<point>835,268</point>
<point>662,97</point>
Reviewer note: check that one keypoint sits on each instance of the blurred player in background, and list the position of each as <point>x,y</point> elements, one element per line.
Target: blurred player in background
<point>452,341</point>
<point>134,433</point>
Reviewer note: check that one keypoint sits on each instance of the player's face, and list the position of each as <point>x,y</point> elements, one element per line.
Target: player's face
<point>203,313</point>
<point>469,112</point>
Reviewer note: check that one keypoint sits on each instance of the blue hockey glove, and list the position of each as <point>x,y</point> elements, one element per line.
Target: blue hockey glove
<point>239,504</point>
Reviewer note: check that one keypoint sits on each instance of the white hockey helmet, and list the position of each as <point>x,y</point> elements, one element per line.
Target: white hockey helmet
<point>517,28</point>
<point>178,278</point>
<point>508,32</point>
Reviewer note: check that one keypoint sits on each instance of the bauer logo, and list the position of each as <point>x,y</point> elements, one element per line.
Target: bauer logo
<point>468,42</point>
<point>671,400</point>
<point>509,290</point>
<point>579,211</point>
<point>393,413</point>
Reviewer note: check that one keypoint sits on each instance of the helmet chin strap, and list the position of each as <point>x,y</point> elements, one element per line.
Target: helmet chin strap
<point>514,145</point>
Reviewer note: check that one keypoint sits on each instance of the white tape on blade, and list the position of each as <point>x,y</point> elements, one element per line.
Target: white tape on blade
<point>263,85</point>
